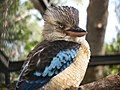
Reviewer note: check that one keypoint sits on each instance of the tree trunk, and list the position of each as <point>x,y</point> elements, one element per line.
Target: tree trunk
<point>96,25</point>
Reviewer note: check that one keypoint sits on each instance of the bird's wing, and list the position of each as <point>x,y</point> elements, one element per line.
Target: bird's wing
<point>47,60</point>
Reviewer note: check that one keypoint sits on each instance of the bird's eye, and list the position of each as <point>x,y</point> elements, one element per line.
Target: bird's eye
<point>61,26</point>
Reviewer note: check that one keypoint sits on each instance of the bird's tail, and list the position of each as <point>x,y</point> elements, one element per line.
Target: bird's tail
<point>32,85</point>
<point>25,86</point>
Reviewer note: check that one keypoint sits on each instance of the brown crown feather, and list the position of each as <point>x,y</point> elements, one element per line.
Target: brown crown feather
<point>62,14</point>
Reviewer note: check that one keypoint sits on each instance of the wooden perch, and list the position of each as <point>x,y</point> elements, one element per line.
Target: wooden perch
<point>111,82</point>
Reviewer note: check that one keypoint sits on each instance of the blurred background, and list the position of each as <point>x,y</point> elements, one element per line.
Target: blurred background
<point>21,25</point>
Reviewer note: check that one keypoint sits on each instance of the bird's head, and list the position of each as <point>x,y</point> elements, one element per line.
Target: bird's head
<point>61,23</point>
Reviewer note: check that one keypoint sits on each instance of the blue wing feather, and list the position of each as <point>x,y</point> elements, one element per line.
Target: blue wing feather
<point>56,64</point>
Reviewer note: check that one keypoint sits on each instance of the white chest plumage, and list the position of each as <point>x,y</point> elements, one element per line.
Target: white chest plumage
<point>74,74</point>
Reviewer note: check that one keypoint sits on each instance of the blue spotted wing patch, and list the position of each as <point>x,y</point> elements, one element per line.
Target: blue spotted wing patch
<point>61,61</point>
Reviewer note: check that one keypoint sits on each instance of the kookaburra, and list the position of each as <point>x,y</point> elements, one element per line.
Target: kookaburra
<point>61,59</point>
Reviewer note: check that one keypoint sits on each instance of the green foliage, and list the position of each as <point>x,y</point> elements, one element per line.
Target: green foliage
<point>113,49</point>
<point>111,69</point>
<point>28,5</point>
<point>19,32</point>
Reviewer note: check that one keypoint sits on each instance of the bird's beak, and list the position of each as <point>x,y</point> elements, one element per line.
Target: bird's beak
<point>76,32</point>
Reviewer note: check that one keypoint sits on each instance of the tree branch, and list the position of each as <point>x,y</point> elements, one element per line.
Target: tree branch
<point>40,5</point>
<point>111,82</point>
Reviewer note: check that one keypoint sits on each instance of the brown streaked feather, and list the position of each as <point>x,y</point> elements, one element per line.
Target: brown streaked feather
<point>64,14</point>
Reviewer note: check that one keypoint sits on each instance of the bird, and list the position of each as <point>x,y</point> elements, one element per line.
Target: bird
<point>61,59</point>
